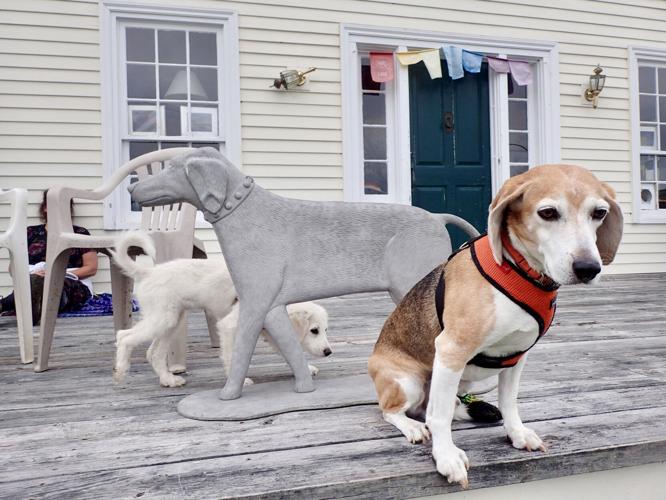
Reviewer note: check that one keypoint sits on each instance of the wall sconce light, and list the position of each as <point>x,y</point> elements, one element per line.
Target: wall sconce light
<point>596,85</point>
<point>291,78</point>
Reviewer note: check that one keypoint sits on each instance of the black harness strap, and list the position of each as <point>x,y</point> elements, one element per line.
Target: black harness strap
<point>439,299</point>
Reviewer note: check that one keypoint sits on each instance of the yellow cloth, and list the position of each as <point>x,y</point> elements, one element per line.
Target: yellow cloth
<point>430,58</point>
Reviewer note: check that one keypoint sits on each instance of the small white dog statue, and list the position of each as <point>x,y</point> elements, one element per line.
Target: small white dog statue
<point>166,291</point>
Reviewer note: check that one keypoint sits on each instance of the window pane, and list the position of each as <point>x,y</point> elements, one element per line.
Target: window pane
<point>516,90</point>
<point>171,46</point>
<point>142,119</point>
<point>141,81</point>
<point>169,145</point>
<point>173,121</point>
<point>374,109</point>
<point>662,80</point>
<point>661,168</point>
<point>518,115</point>
<point>374,143</point>
<point>215,145</point>
<point>648,105</point>
<point>518,169</point>
<point>518,147</point>
<point>662,109</point>
<point>662,196</point>
<point>662,139</point>
<point>173,82</point>
<point>203,84</point>
<point>375,178</point>
<point>203,48</point>
<point>141,148</point>
<point>366,78</point>
<point>647,168</point>
<point>140,44</point>
<point>647,79</point>
<point>649,137</point>
<point>647,197</point>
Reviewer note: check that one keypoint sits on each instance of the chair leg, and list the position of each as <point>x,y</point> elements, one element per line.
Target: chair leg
<point>121,296</point>
<point>18,267</point>
<point>177,356</point>
<point>53,283</point>
<point>212,330</point>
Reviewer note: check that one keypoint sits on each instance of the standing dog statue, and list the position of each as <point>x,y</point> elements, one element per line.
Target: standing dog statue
<point>553,225</point>
<point>280,251</point>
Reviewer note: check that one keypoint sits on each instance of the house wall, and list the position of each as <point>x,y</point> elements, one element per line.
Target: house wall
<point>292,142</point>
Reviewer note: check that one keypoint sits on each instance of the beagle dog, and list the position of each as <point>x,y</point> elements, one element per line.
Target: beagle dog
<point>477,315</point>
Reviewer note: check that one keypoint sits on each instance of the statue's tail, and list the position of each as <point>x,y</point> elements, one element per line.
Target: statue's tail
<point>458,222</point>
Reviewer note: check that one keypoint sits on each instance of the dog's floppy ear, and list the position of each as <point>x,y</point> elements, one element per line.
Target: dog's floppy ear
<point>509,192</point>
<point>208,179</point>
<point>609,233</point>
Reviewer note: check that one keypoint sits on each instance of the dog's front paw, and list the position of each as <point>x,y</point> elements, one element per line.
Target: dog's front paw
<point>119,375</point>
<point>248,381</point>
<point>172,381</point>
<point>452,463</point>
<point>525,438</point>
<point>313,370</point>
<point>177,369</point>
<point>304,385</point>
<point>417,432</point>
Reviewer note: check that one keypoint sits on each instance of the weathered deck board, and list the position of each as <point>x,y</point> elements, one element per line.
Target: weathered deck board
<point>595,388</point>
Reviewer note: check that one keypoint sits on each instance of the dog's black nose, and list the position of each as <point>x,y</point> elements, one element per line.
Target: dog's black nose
<point>586,270</point>
<point>327,352</point>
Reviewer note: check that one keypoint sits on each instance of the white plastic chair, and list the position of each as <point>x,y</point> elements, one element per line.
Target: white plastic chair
<point>172,229</point>
<point>15,240</point>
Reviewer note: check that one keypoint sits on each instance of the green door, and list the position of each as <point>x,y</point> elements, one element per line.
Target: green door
<point>450,143</point>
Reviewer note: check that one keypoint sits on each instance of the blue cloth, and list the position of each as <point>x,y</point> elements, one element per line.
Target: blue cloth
<point>471,61</point>
<point>453,56</point>
<point>97,305</point>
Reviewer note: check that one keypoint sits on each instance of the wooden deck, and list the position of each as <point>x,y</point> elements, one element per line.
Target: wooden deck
<point>595,389</point>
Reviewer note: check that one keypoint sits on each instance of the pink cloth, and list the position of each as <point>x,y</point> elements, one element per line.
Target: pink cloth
<point>498,65</point>
<point>381,66</point>
<point>521,72</point>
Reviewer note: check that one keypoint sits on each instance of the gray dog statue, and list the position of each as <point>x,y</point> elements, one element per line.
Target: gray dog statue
<point>281,251</point>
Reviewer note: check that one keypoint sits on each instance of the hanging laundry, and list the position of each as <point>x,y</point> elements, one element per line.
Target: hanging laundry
<point>454,57</point>
<point>498,65</point>
<point>521,72</point>
<point>430,58</point>
<point>381,66</point>
<point>471,61</point>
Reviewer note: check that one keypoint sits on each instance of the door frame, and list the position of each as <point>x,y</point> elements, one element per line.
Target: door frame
<point>543,105</point>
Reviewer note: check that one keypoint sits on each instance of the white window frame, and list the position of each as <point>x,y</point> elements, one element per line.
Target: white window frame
<point>639,55</point>
<point>543,105</point>
<point>115,13</point>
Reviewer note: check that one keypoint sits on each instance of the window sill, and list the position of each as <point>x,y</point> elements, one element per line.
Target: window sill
<point>649,217</point>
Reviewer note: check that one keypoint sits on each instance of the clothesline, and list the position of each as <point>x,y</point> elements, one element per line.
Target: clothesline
<point>458,62</point>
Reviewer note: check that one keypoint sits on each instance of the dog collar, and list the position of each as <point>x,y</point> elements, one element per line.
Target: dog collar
<point>233,201</point>
<point>522,263</point>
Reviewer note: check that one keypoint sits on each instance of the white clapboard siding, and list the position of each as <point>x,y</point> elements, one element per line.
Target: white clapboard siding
<point>50,118</point>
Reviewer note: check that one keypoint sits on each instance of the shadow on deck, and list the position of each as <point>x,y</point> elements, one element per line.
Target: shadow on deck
<point>594,389</point>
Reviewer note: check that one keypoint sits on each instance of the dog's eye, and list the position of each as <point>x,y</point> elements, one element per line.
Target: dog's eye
<point>314,331</point>
<point>599,213</point>
<point>549,214</point>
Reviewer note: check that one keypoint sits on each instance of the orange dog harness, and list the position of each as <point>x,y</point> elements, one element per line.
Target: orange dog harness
<point>534,292</point>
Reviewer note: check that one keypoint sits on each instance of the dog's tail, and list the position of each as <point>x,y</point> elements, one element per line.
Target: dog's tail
<point>124,261</point>
<point>459,222</point>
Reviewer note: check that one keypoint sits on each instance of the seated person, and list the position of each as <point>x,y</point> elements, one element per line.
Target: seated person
<point>81,267</point>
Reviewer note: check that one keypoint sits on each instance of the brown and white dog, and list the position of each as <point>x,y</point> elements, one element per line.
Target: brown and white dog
<point>563,223</point>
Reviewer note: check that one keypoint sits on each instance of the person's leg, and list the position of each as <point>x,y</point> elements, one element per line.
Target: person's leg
<point>74,295</point>
<point>7,303</point>
<point>36,295</point>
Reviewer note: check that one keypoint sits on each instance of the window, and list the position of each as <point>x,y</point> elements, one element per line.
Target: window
<point>375,133</point>
<point>647,72</point>
<point>652,115</point>
<point>169,81</point>
<point>519,158</point>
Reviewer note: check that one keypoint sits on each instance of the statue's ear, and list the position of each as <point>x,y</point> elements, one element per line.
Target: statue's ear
<point>208,179</point>
<point>511,191</point>
<point>609,233</point>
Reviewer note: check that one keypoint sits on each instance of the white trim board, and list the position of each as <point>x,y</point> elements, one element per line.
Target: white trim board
<point>113,12</point>
<point>547,100</point>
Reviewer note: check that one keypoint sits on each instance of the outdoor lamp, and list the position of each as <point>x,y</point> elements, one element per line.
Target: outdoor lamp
<point>291,78</point>
<point>596,85</point>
